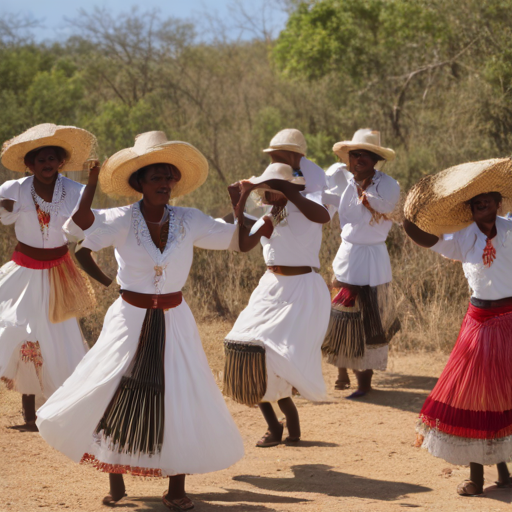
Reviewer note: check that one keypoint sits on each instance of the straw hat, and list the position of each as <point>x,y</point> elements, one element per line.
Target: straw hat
<point>154,148</point>
<point>438,204</point>
<point>80,145</point>
<point>276,171</point>
<point>367,139</point>
<point>288,139</point>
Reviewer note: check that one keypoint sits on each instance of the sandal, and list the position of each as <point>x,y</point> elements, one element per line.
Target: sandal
<point>504,485</point>
<point>469,488</point>
<point>341,385</point>
<point>290,439</point>
<point>109,501</point>
<point>268,440</point>
<point>356,394</point>
<point>182,504</point>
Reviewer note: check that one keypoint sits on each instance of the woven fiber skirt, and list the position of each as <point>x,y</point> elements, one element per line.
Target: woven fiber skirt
<point>363,321</point>
<point>468,415</point>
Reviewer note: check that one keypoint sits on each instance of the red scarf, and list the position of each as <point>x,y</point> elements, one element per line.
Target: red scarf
<point>489,254</point>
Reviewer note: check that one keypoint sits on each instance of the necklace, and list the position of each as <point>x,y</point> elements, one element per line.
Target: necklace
<point>44,209</point>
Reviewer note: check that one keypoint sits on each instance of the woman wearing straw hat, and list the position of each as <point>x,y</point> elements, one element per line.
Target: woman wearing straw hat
<point>467,418</point>
<point>41,290</point>
<point>275,343</point>
<point>363,319</point>
<point>144,401</point>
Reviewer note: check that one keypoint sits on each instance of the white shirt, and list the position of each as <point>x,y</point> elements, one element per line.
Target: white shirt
<point>355,219</point>
<point>24,215</point>
<point>467,246</point>
<point>295,241</point>
<point>337,176</point>
<point>315,180</point>
<point>136,254</point>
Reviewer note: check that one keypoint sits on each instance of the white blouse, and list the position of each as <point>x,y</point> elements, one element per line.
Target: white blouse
<point>66,196</point>
<point>295,241</point>
<point>142,267</point>
<point>355,219</point>
<point>467,246</point>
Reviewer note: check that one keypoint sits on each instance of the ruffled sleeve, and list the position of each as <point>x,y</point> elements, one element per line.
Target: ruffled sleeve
<point>10,190</point>
<point>210,233</point>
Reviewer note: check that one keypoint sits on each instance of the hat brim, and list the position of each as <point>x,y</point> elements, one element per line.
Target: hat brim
<point>438,204</point>
<point>264,187</point>
<point>192,164</point>
<point>79,144</point>
<point>295,148</point>
<point>342,149</point>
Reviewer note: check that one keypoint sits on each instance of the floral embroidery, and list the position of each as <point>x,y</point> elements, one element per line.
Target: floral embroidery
<point>44,209</point>
<point>489,254</point>
<point>31,353</point>
<point>120,468</point>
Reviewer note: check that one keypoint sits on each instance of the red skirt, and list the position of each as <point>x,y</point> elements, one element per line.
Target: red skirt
<point>473,397</point>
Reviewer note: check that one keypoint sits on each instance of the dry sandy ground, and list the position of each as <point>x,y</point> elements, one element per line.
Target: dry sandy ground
<point>355,456</point>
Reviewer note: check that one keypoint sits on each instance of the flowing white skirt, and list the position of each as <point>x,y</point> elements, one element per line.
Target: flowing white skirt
<point>199,434</point>
<point>362,264</point>
<point>24,310</point>
<point>289,316</point>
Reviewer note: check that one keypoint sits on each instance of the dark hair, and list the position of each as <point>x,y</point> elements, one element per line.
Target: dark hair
<point>30,157</point>
<point>140,174</point>
<point>497,197</point>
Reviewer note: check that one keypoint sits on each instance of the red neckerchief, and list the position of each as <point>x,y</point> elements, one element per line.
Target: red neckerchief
<point>489,254</point>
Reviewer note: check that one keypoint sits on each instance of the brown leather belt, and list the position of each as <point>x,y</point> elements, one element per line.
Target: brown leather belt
<point>289,271</point>
<point>149,301</point>
<point>41,254</point>
<point>485,304</point>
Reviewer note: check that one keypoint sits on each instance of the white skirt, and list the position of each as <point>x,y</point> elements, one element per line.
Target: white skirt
<point>288,315</point>
<point>199,433</point>
<point>362,264</point>
<point>24,322</point>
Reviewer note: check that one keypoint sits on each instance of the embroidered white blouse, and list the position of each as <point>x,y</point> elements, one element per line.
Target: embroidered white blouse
<point>355,219</point>
<point>467,246</point>
<point>66,196</point>
<point>142,267</point>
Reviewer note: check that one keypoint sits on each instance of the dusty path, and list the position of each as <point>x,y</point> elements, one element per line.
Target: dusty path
<point>355,456</point>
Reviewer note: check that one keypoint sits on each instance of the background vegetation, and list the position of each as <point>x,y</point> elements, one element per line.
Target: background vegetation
<point>433,76</point>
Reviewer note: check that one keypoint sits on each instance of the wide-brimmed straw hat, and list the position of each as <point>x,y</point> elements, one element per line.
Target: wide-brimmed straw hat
<point>288,139</point>
<point>154,148</point>
<point>367,139</point>
<point>439,203</point>
<point>276,171</point>
<point>79,144</point>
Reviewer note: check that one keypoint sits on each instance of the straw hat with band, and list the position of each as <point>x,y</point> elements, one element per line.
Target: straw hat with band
<point>276,171</point>
<point>366,139</point>
<point>153,148</point>
<point>79,145</point>
<point>288,139</point>
<point>439,203</point>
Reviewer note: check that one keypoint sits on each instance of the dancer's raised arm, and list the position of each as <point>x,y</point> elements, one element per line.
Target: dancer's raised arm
<point>84,217</point>
<point>418,236</point>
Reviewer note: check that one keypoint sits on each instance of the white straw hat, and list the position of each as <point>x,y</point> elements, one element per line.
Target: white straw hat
<point>288,139</point>
<point>367,139</point>
<point>276,171</point>
<point>154,148</point>
<point>79,145</point>
<point>438,204</point>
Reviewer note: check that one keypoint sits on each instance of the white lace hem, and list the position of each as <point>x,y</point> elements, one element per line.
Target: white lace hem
<point>461,450</point>
<point>373,359</point>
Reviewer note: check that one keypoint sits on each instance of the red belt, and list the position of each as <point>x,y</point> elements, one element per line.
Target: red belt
<point>149,301</point>
<point>33,257</point>
<point>289,271</point>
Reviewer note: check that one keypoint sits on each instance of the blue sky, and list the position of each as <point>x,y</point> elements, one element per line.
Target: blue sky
<point>52,14</point>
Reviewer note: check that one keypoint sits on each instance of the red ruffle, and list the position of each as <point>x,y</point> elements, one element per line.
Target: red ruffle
<point>87,458</point>
<point>346,297</point>
<point>473,396</point>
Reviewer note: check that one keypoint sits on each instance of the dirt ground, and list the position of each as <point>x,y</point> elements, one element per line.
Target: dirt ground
<point>354,456</point>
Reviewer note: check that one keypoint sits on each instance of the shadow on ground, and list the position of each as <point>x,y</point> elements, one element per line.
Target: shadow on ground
<point>320,479</point>
<point>397,399</point>
<point>398,380</point>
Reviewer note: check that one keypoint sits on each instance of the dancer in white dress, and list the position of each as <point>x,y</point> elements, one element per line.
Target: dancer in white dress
<point>41,290</point>
<point>363,319</point>
<point>275,344</point>
<point>144,400</point>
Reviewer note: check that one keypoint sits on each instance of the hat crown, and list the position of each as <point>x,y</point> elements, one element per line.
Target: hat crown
<point>289,137</point>
<point>147,140</point>
<point>367,136</point>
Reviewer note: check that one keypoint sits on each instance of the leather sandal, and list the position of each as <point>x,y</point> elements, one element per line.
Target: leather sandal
<point>268,439</point>
<point>290,439</point>
<point>109,501</point>
<point>182,504</point>
<point>341,385</point>
<point>504,485</point>
<point>469,488</point>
